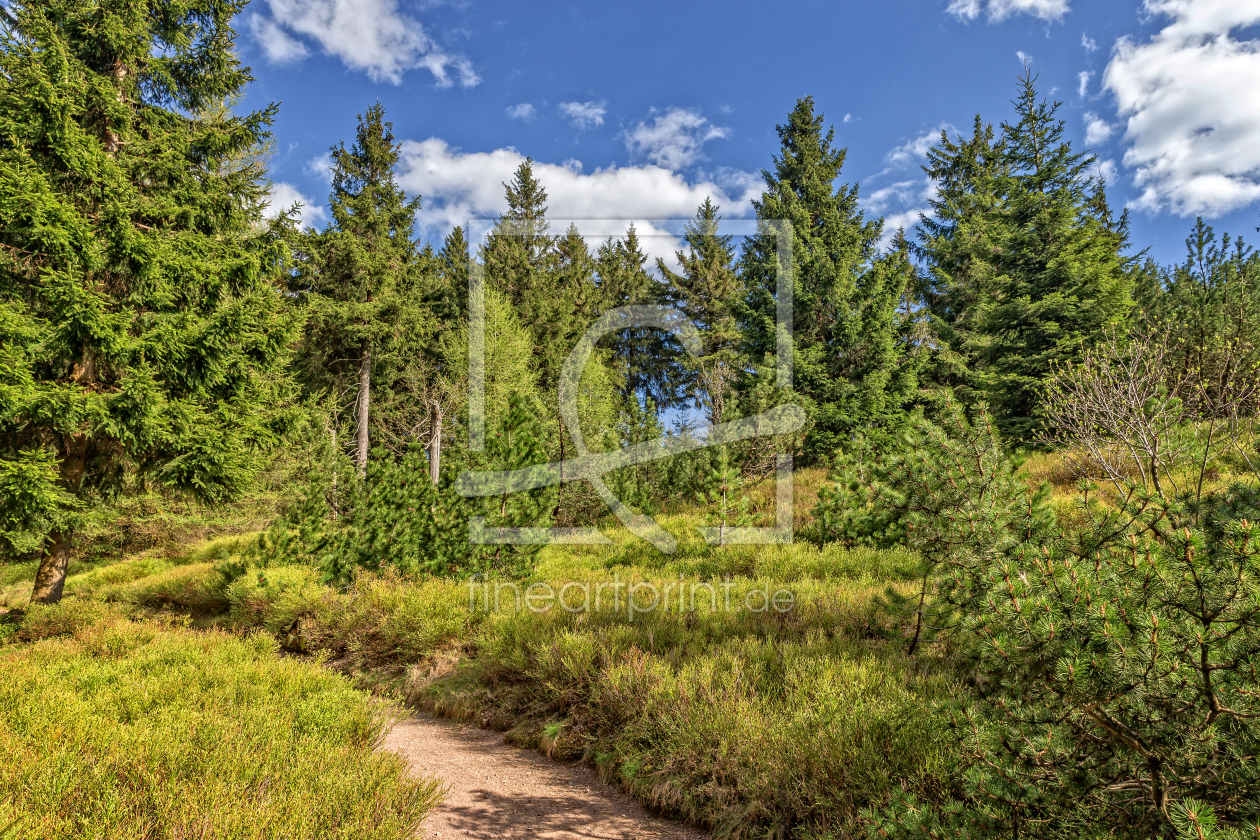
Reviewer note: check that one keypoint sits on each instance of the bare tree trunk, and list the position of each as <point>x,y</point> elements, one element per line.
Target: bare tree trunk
<point>50,580</point>
<point>361,409</point>
<point>435,445</point>
<point>334,471</point>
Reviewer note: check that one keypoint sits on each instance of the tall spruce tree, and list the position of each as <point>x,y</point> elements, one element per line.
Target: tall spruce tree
<point>362,277</point>
<point>641,358</point>
<point>520,248</point>
<point>141,319</point>
<point>1060,280</point>
<point>706,292</point>
<point>956,242</point>
<point>1024,260</point>
<point>845,347</point>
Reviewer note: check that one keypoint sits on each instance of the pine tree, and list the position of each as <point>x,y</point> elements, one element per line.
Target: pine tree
<point>361,278</point>
<point>141,323</point>
<point>845,345</point>
<point>1210,308</point>
<point>705,293</point>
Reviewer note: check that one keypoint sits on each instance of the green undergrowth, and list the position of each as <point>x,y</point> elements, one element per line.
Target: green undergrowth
<point>113,727</point>
<point>754,723</point>
<point>162,575</point>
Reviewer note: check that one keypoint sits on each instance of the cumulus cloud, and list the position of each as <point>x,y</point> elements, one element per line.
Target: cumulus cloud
<point>277,45</point>
<point>1191,100</point>
<point>458,186</point>
<point>584,115</point>
<point>997,10</point>
<point>523,111</point>
<point>321,167</point>
<point>1106,169</point>
<point>372,36</point>
<point>916,149</point>
<point>1097,130</point>
<point>283,196</point>
<point>901,204</point>
<point>673,139</point>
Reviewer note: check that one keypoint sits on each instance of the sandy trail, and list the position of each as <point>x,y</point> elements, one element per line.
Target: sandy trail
<point>498,791</point>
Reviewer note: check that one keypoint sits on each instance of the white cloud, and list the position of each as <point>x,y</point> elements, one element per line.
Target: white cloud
<point>900,193</point>
<point>1106,169</point>
<point>848,118</point>
<point>373,36</point>
<point>1083,77</point>
<point>321,167</point>
<point>524,111</point>
<point>584,115</point>
<point>1002,9</point>
<point>1191,98</point>
<point>277,45</point>
<point>283,196</point>
<point>917,148</point>
<point>1024,58</point>
<point>458,186</point>
<point>673,139</point>
<point>1097,130</point>
<point>1088,43</point>
<point>901,204</point>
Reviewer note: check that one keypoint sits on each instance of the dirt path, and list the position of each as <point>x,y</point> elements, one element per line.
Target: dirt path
<point>498,791</point>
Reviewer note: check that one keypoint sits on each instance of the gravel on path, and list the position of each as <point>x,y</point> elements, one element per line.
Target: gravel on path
<point>496,791</point>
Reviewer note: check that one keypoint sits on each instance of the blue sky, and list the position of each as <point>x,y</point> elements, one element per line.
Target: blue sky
<point>640,110</point>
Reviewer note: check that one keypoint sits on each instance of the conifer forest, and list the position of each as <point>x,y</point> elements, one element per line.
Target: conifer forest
<point>1011,591</point>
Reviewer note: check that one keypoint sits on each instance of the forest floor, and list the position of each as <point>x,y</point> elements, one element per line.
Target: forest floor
<point>496,791</point>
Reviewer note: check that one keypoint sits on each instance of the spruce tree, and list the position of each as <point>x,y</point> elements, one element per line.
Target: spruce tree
<point>1024,260</point>
<point>141,319</point>
<point>956,242</point>
<point>520,247</point>
<point>1060,280</point>
<point>640,357</point>
<point>705,292</point>
<point>845,346</point>
<point>1210,309</point>
<point>362,278</point>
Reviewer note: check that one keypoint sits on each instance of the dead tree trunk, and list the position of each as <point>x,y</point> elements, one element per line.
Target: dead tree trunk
<point>361,410</point>
<point>435,444</point>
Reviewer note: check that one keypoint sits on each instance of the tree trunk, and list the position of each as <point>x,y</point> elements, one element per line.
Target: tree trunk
<point>361,409</point>
<point>50,580</point>
<point>435,445</point>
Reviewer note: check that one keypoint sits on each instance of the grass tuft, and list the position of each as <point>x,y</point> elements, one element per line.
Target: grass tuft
<point>121,729</point>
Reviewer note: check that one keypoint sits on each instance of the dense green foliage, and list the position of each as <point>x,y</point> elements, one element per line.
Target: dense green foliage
<point>141,327</point>
<point>1111,664</point>
<point>850,361</point>
<point>1023,259</point>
